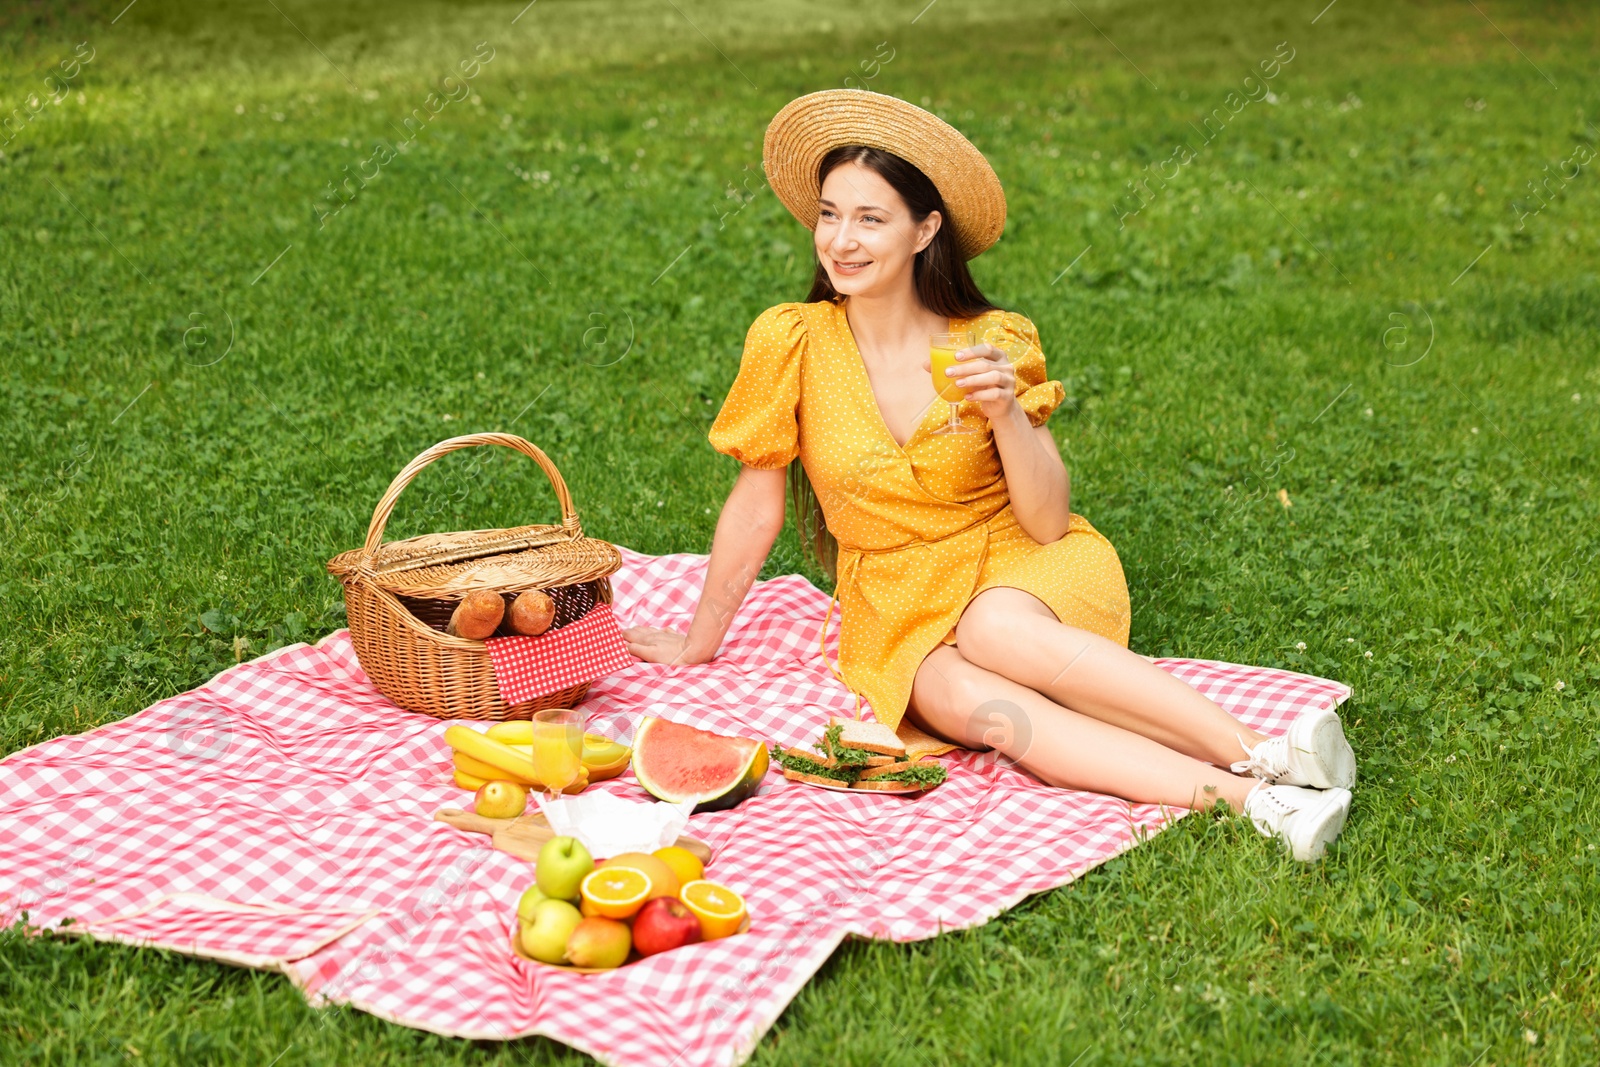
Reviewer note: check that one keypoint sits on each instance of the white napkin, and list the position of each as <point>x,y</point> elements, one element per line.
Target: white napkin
<point>609,825</point>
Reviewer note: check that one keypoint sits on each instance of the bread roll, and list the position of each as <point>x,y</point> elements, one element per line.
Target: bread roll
<point>477,616</point>
<point>532,613</point>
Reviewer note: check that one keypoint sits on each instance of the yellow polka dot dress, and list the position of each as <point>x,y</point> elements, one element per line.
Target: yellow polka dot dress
<point>923,528</point>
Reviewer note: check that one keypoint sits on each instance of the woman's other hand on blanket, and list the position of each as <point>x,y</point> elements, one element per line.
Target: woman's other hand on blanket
<point>655,645</point>
<point>990,380</point>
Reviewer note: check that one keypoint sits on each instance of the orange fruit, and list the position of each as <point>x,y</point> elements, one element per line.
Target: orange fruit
<point>614,892</point>
<point>663,883</point>
<point>720,910</point>
<point>685,864</point>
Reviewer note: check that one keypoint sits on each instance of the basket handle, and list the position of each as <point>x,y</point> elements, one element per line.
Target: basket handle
<point>380,514</point>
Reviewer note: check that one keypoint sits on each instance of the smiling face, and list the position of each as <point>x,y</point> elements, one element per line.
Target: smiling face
<point>866,237</point>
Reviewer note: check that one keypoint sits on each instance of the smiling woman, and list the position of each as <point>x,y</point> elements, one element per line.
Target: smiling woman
<point>938,272</point>
<point>964,581</point>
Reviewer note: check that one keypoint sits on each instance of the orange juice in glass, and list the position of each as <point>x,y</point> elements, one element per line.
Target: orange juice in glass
<point>557,749</point>
<point>942,349</point>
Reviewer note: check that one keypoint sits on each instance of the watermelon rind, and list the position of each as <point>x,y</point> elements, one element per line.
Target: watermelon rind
<point>715,796</point>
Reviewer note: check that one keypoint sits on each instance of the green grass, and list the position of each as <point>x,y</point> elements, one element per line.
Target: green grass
<point>1228,342</point>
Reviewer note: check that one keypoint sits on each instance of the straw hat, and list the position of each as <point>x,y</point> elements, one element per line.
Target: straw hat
<point>809,128</point>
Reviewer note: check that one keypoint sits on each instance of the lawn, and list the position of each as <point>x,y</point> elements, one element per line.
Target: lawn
<point>1334,392</point>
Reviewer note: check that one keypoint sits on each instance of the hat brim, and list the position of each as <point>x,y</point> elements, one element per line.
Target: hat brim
<point>814,125</point>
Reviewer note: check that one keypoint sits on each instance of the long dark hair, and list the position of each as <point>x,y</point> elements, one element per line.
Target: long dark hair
<point>943,285</point>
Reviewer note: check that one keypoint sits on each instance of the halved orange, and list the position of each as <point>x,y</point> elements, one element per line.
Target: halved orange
<point>615,892</point>
<point>720,910</point>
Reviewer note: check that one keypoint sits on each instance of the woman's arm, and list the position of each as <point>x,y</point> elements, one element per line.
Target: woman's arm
<point>750,521</point>
<point>1041,492</point>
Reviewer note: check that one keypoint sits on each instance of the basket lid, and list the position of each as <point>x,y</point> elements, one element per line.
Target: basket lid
<point>431,550</point>
<point>447,565</point>
<point>564,562</point>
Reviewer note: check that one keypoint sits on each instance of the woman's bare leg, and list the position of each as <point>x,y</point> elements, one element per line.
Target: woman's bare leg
<point>1015,634</point>
<point>968,705</point>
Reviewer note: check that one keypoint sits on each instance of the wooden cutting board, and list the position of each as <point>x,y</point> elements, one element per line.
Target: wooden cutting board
<point>525,835</point>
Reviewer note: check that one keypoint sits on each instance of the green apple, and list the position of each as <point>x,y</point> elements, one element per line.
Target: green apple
<point>530,900</point>
<point>545,938</point>
<point>563,864</point>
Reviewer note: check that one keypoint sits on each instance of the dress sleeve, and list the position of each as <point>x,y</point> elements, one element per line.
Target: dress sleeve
<point>1038,395</point>
<point>759,424</point>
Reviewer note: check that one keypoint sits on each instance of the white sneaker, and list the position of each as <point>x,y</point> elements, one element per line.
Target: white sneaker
<point>1313,753</point>
<point>1304,819</point>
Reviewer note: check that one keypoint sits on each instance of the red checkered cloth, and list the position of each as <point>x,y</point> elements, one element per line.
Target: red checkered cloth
<point>581,651</point>
<point>280,816</point>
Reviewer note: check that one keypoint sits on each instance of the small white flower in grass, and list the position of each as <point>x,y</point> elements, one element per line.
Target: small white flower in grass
<point>1576,397</point>
<point>1560,685</point>
<point>1530,1036</point>
<point>1301,645</point>
<point>661,503</point>
<point>1474,429</point>
<point>1367,653</point>
<point>1450,758</point>
<point>1349,640</point>
<point>1405,961</point>
<point>1369,413</point>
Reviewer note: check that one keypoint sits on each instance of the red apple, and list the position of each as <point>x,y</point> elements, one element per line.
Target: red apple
<point>664,923</point>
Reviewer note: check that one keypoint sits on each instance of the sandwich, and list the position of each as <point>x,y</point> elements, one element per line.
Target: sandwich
<point>858,755</point>
<point>896,776</point>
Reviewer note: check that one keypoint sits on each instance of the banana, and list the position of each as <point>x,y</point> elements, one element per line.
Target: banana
<point>513,732</point>
<point>484,757</point>
<point>518,733</point>
<point>470,742</point>
<point>479,769</point>
<point>466,778</point>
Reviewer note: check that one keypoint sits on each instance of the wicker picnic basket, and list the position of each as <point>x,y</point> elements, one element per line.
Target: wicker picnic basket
<point>399,595</point>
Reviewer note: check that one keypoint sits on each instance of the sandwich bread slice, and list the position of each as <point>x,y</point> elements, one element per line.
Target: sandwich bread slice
<point>868,736</point>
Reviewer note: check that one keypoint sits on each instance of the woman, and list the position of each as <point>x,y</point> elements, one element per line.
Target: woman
<point>970,595</point>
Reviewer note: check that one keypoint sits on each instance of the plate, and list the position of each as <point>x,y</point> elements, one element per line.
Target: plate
<point>633,957</point>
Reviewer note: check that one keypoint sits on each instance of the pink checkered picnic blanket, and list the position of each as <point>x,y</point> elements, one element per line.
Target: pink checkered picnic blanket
<point>280,817</point>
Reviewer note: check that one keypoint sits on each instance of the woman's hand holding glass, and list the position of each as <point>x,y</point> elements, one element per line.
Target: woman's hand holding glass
<point>985,374</point>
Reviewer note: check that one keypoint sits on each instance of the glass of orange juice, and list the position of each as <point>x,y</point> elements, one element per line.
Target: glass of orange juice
<point>557,748</point>
<point>942,349</point>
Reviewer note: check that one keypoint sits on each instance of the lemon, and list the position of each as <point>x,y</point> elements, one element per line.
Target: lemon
<point>685,864</point>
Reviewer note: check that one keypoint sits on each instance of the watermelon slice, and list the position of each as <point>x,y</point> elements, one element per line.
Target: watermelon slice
<point>678,763</point>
